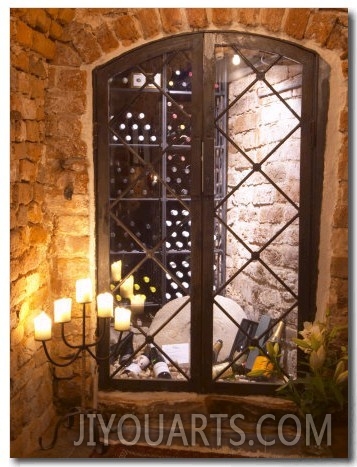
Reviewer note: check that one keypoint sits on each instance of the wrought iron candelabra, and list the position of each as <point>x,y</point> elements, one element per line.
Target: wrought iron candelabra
<point>62,312</point>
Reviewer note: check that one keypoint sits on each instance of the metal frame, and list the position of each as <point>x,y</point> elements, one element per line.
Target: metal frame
<point>203,204</point>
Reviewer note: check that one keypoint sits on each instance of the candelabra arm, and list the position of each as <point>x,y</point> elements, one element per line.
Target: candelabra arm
<point>91,353</point>
<point>72,359</point>
<point>68,344</point>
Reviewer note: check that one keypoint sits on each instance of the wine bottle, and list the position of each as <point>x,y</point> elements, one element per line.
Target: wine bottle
<point>126,348</point>
<point>160,368</point>
<point>144,359</point>
<point>135,367</point>
<point>222,370</point>
<point>216,349</point>
<point>263,365</point>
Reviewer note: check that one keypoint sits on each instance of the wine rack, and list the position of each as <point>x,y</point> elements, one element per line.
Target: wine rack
<point>150,148</point>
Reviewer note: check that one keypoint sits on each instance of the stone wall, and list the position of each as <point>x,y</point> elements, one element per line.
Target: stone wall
<point>53,52</point>
<point>257,210</point>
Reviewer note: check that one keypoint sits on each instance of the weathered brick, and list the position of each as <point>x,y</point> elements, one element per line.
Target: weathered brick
<point>20,60</point>
<point>73,225</point>
<point>24,192</point>
<point>53,12</point>
<point>249,16</point>
<point>27,170</point>
<point>65,15</point>
<point>343,168</point>
<point>55,31</point>
<point>66,55</point>
<point>149,21</point>
<point>38,235</point>
<point>71,80</point>
<point>339,267</point>
<point>18,131</point>
<point>272,18</point>
<point>38,193</point>
<point>37,66</point>
<point>171,19</point>
<point>34,151</point>
<point>19,81</point>
<point>34,213</point>
<point>222,16</point>
<point>296,22</point>
<point>320,26</point>
<point>338,38</point>
<point>85,42</point>
<point>43,21</point>
<point>197,17</point>
<point>33,131</point>
<point>44,46</point>
<point>339,239</point>
<point>341,289</point>
<point>126,29</point>
<point>57,126</point>
<point>106,38</point>
<point>72,246</point>
<point>24,34</point>
<point>71,103</point>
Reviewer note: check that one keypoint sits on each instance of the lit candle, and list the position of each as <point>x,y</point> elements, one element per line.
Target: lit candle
<point>43,327</point>
<point>62,310</point>
<point>105,305</point>
<point>116,271</point>
<point>137,303</point>
<point>127,287</point>
<point>122,319</point>
<point>84,290</point>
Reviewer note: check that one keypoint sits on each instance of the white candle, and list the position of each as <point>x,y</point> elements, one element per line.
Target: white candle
<point>84,290</point>
<point>116,271</point>
<point>127,287</point>
<point>43,327</point>
<point>137,303</point>
<point>105,305</point>
<point>62,310</point>
<point>122,319</point>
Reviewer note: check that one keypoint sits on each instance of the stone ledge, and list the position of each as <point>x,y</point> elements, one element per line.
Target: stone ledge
<point>246,426</point>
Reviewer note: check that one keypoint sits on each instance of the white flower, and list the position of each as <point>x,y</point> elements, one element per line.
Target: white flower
<point>317,358</point>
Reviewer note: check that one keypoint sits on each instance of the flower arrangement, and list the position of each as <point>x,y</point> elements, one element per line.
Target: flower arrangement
<point>322,384</point>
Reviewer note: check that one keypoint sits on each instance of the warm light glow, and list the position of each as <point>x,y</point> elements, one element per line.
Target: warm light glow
<point>105,305</point>
<point>62,310</point>
<point>127,287</point>
<point>116,271</point>
<point>236,59</point>
<point>84,290</point>
<point>43,327</point>
<point>137,303</point>
<point>122,319</point>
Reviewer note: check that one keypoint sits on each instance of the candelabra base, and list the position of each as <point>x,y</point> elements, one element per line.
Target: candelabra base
<point>68,420</point>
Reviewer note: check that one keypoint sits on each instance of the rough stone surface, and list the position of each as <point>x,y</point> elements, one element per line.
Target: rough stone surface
<point>178,330</point>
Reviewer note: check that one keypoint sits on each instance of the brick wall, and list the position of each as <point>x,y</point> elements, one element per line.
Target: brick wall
<point>53,52</point>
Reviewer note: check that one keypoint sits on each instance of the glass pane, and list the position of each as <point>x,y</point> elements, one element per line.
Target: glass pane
<point>149,132</point>
<point>258,105</point>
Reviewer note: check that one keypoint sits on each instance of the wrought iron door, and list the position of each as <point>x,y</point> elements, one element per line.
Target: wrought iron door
<point>207,200</point>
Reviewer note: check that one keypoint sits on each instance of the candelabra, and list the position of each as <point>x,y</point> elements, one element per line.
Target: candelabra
<point>62,315</point>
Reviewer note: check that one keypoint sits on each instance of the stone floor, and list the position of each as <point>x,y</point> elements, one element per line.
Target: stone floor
<point>65,446</point>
